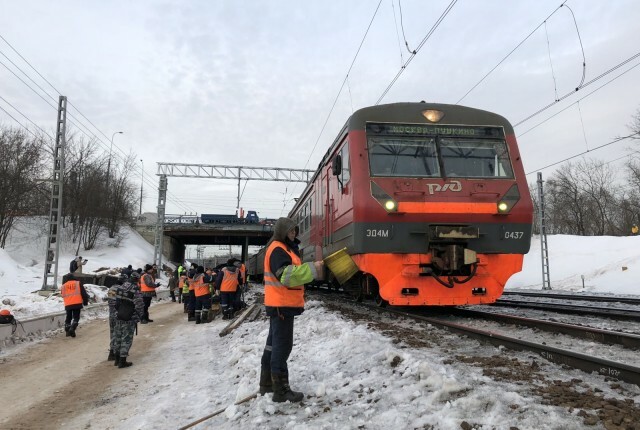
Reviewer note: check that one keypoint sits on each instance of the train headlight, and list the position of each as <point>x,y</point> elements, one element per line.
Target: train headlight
<point>390,205</point>
<point>386,201</point>
<point>433,115</point>
<point>509,200</point>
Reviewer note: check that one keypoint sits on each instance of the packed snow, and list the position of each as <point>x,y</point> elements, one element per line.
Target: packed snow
<point>353,375</point>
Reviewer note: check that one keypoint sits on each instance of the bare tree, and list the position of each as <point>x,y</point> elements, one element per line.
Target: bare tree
<point>20,167</point>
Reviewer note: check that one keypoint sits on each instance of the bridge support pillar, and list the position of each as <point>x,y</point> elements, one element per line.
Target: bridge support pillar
<point>245,249</point>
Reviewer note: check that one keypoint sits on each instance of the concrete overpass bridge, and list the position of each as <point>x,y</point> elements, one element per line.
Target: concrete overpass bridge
<point>180,231</point>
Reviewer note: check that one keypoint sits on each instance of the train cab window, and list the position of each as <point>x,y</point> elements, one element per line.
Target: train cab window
<point>465,158</point>
<point>390,156</point>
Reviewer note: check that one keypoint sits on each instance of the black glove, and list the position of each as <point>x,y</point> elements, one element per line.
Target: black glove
<point>157,284</point>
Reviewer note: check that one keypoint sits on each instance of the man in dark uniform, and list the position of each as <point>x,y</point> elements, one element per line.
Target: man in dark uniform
<point>129,311</point>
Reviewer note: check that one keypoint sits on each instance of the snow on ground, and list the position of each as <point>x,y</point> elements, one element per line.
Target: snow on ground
<point>22,265</point>
<point>355,376</point>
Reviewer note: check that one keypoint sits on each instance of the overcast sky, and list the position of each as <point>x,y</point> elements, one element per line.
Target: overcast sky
<point>252,82</point>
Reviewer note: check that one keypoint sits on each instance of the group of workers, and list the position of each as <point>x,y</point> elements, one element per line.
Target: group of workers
<point>284,278</point>
<point>129,302</point>
<point>199,287</point>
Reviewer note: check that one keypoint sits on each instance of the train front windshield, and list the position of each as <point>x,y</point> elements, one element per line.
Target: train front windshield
<point>420,157</point>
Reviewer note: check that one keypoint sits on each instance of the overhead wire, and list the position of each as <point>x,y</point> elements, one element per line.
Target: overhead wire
<point>583,153</point>
<point>98,140</point>
<point>510,52</point>
<point>570,93</point>
<point>582,98</point>
<point>415,52</point>
<point>335,101</point>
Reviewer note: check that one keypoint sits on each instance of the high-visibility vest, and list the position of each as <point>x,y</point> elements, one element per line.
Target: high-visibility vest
<point>70,292</point>
<point>199,286</point>
<point>229,281</point>
<point>144,287</point>
<point>276,294</point>
<point>184,286</point>
<point>243,271</point>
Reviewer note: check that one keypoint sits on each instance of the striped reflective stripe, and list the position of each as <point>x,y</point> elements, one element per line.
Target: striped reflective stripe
<point>287,275</point>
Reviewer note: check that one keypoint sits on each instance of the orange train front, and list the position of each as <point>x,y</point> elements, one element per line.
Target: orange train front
<point>430,200</point>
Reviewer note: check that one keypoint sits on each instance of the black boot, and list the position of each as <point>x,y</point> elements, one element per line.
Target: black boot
<point>266,385</point>
<point>122,362</point>
<point>116,359</point>
<point>198,315</point>
<point>205,317</point>
<point>67,328</point>
<point>184,307</point>
<point>192,316</point>
<point>112,356</point>
<point>72,329</point>
<point>282,391</point>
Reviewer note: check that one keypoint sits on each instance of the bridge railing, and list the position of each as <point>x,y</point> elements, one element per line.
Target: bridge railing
<point>181,219</point>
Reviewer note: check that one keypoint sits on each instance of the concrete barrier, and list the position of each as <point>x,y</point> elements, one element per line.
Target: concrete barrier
<point>37,327</point>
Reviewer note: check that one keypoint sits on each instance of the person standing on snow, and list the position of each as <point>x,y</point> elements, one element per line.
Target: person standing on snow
<point>148,287</point>
<point>111,299</point>
<point>202,291</point>
<point>76,265</point>
<point>284,279</point>
<point>227,282</point>
<point>130,309</point>
<point>75,298</point>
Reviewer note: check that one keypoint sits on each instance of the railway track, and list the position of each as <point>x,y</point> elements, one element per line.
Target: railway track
<point>607,312</point>
<point>621,371</point>
<point>575,297</point>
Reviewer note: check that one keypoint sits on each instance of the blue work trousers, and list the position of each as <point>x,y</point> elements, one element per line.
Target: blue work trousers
<point>279,344</point>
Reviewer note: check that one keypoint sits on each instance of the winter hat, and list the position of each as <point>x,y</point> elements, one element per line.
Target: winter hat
<point>282,227</point>
<point>200,269</point>
<point>147,267</point>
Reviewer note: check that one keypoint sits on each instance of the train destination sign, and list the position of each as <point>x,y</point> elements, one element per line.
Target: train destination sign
<point>435,130</point>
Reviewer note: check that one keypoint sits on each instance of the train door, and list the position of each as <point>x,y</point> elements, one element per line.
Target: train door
<point>327,209</point>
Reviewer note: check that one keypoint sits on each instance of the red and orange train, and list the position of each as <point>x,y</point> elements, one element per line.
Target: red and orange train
<point>430,200</point>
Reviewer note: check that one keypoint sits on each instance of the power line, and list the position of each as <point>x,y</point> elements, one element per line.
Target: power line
<point>98,140</point>
<point>570,93</point>
<point>26,117</point>
<point>583,153</point>
<point>510,52</point>
<point>582,98</point>
<point>415,52</point>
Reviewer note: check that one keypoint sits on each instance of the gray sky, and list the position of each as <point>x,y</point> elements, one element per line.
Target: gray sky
<point>252,82</point>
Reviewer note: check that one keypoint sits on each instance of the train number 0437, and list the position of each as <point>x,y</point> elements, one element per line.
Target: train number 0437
<point>377,233</point>
<point>513,234</point>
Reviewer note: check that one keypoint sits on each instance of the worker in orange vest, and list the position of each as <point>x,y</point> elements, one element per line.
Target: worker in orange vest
<point>74,296</point>
<point>191,306</point>
<point>284,279</point>
<point>148,287</point>
<point>227,282</point>
<point>202,290</point>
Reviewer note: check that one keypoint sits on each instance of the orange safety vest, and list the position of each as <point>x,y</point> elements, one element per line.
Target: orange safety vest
<point>276,294</point>
<point>70,292</point>
<point>183,283</point>
<point>200,287</point>
<point>229,281</point>
<point>243,271</point>
<point>144,287</point>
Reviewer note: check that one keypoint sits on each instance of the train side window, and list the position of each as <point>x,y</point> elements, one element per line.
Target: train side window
<point>346,171</point>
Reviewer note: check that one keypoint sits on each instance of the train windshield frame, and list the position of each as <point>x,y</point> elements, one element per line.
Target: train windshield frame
<point>428,151</point>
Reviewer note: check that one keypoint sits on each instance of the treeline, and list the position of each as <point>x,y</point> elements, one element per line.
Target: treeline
<point>591,198</point>
<point>98,196</point>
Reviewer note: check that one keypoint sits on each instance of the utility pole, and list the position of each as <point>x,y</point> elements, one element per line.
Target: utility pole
<point>55,208</point>
<point>141,184</point>
<point>546,280</point>
<point>109,162</point>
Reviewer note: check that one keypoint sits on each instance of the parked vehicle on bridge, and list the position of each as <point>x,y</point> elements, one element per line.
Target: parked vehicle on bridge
<point>430,201</point>
<point>250,218</point>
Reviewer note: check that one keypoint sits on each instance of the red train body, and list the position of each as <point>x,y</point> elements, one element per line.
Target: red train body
<point>430,200</point>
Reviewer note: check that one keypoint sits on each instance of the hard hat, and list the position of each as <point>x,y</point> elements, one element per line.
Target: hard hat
<point>5,312</point>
